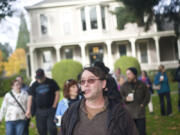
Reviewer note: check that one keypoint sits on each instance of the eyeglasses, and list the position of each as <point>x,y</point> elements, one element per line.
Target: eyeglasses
<point>89,81</point>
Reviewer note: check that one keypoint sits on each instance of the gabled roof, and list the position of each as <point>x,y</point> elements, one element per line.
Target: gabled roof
<point>46,3</point>
<point>51,1</point>
<point>55,3</point>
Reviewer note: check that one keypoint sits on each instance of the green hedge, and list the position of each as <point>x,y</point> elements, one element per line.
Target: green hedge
<point>64,70</point>
<point>125,62</point>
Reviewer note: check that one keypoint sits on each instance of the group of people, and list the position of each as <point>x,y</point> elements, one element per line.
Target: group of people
<point>97,103</point>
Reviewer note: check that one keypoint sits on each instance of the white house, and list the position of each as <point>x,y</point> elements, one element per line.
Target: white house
<point>86,31</point>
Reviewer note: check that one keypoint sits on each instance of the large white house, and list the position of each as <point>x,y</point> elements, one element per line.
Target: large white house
<point>86,31</point>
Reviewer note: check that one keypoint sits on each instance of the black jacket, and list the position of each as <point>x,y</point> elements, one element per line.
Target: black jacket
<point>119,121</point>
<point>141,96</point>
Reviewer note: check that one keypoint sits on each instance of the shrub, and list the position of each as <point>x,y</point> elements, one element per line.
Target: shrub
<point>125,62</point>
<point>64,70</point>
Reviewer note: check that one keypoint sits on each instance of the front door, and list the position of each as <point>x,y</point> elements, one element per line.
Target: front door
<point>95,54</point>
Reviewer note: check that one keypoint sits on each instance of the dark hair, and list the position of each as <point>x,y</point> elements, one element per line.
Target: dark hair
<point>96,71</point>
<point>101,66</point>
<point>67,86</point>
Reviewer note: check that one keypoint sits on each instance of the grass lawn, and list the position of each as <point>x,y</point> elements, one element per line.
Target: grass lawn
<point>156,124</point>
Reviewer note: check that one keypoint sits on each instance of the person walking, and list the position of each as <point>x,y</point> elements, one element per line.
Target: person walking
<point>14,115</point>
<point>144,78</point>
<point>45,93</point>
<point>136,96</point>
<point>161,79</point>
<point>96,114</point>
<point>25,88</point>
<point>71,95</point>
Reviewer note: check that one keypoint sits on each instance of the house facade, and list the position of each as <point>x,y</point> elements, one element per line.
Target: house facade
<point>86,31</point>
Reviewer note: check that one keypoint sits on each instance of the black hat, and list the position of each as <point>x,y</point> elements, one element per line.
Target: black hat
<point>133,70</point>
<point>101,66</point>
<point>39,73</point>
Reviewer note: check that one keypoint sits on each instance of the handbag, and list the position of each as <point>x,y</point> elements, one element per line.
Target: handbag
<point>156,87</point>
<point>19,104</point>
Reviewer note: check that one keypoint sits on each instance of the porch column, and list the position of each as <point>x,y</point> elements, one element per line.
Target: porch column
<point>133,46</point>
<point>109,51</point>
<point>178,44</point>
<point>32,62</point>
<point>157,49</point>
<point>99,20</point>
<point>58,57</point>
<point>83,53</point>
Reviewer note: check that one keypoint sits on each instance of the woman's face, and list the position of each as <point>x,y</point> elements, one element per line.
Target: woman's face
<point>73,91</point>
<point>143,74</point>
<point>16,86</point>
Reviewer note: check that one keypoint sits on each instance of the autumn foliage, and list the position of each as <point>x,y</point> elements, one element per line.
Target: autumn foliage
<point>16,62</point>
<point>1,61</point>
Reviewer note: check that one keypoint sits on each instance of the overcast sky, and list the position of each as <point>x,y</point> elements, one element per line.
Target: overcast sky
<point>10,25</point>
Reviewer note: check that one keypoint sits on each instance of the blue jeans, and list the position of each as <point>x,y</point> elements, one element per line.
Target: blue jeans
<point>15,127</point>
<point>168,109</point>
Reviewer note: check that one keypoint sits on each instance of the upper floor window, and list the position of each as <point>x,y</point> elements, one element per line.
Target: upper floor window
<point>103,17</point>
<point>83,19</point>
<point>93,18</point>
<point>122,50</point>
<point>44,24</point>
<point>67,23</point>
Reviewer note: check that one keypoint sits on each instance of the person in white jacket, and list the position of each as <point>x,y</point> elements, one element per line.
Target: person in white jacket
<point>11,111</point>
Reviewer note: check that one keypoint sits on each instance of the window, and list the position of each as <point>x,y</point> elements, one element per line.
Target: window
<point>44,24</point>
<point>143,52</point>
<point>103,17</point>
<point>47,60</point>
<point>93,18</point>
<point>67,23</point>
<point>122,50</point>
<point>68,53</point>
<point>83,19</point>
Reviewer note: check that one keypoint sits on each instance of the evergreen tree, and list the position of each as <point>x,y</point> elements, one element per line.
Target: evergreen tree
<point>6,51</point>
<point>23,36</point>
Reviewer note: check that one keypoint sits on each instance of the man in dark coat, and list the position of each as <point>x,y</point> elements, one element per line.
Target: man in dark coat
<point>96,113</point>
<point>136,96</point>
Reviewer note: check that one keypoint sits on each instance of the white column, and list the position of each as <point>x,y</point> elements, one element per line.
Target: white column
<point>83,53</point>
<point>109,51</point>
<point>178,44</point>
<point>87,18</point>
<point>133,47</point>
<point>157,49</point>
<point>148,52</point>
<point>58,57</point>
<point>32,62</point>
<point>99,17</point>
